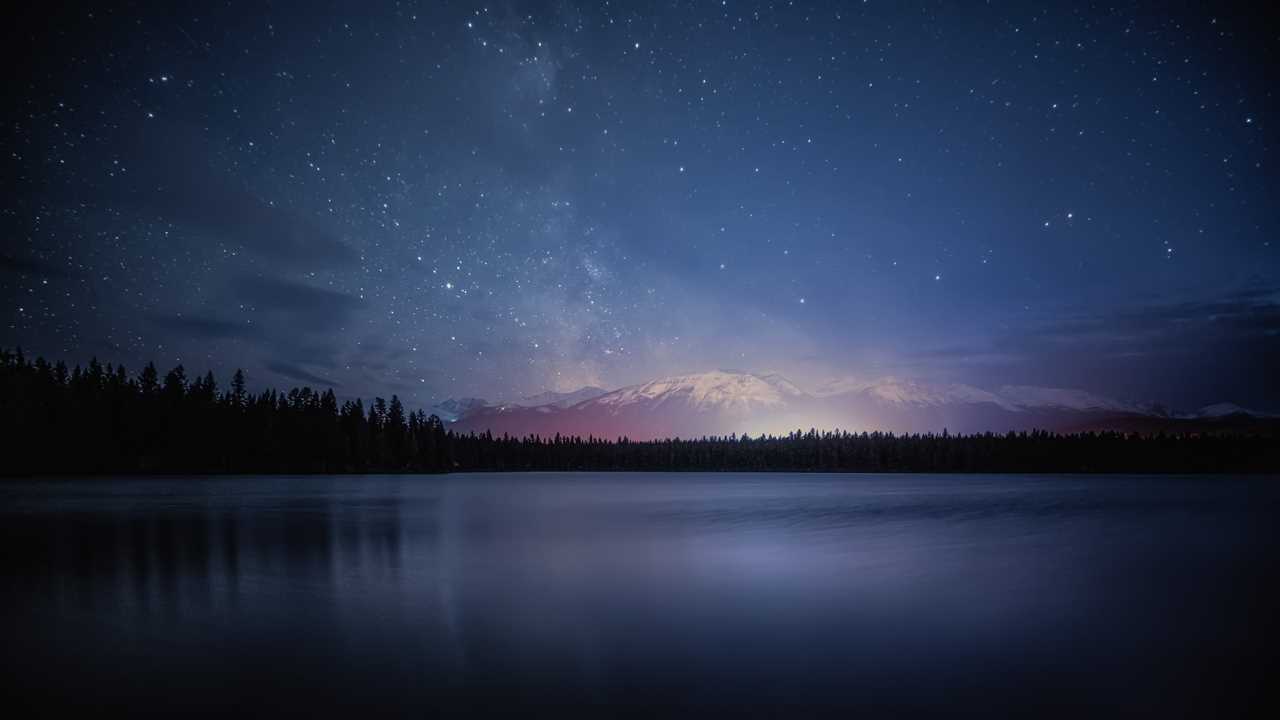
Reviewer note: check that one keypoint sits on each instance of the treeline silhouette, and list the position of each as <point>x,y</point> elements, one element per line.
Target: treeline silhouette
<point>101,419</point>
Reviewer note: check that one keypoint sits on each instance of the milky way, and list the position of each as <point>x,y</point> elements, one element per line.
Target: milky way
<point>468,199</point>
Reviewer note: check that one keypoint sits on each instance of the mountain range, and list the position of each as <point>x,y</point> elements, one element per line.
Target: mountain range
<point>727,401</point>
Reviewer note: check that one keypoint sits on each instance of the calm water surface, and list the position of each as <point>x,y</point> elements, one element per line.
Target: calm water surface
<point>641,594</point>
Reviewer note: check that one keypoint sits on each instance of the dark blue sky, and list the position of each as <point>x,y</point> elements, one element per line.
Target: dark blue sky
<point>496,199</point>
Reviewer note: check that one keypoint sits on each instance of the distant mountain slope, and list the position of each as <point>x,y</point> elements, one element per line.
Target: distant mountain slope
<point>1028,397</point>
<point>560,399</point>
<point>454,409</point>
<point>1226,410</point>
<point>903,393</point>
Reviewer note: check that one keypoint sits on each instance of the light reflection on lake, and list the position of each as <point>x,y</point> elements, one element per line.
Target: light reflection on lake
<point>658,594</point>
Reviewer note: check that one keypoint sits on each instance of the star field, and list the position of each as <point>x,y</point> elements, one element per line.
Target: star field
<point>450,199</point>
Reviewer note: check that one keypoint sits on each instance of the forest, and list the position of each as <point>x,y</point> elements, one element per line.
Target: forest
<point>103,420</point>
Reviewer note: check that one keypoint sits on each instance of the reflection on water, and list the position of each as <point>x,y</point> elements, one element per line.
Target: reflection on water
<point>669,594</point>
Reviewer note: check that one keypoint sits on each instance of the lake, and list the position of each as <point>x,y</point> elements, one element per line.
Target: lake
<point>641,594</point>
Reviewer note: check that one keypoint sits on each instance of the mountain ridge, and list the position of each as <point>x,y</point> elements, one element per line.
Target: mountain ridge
<point>721,402</point>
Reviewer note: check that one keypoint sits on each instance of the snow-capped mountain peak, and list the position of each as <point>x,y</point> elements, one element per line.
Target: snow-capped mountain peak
<point>717,390</point>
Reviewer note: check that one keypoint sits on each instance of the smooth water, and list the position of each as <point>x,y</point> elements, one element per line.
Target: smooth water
<point>642,594</point>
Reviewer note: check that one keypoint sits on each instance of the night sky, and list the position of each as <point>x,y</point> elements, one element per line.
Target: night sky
<point>499,199</point>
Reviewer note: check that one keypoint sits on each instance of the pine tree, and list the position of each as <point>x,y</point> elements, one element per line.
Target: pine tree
<point>148,381</point>
<point>238,393</point>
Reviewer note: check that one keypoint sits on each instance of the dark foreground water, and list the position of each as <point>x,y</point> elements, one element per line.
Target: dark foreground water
<point>642,594</point>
